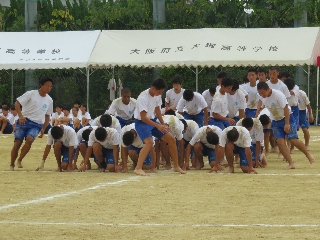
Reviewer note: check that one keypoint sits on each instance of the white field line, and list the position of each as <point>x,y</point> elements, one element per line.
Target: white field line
<point>160,224</point>
<point>67,194</point>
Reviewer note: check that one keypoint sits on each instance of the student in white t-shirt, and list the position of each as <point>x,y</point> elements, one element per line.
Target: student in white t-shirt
<point>104,144</point>
<point>304,104</point>
<point>33,118</point>
<point>3,104</point>
<point>75,119</point>
<point>148,105</point>
<point>236,102</point>
<point>64,140</point>
<point>106,120</point>
<point>14,113</point>
<point>174,94</point>
<point>67,118</point>
<point>235,140</point>
<point>262,75</point>
<point>219,108</point>
<point>208,96</point>
<point>265,120</point>
<point>6,121</point>
<point>193,106</point>
<point>85,116</point>
<point>123,108</point>
<point>283,123</point>
<point>253,95</point>
<point>56,115</point>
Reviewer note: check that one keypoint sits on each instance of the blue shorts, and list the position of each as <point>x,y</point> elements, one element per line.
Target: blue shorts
<point>147,161</point>
<point>278,129</point>
<point>122,121</point>
<point>92,155</point>
<point>303,120</point>
<point>147,131</point>
<point>242,154</point>
<point>198,118</point>
<point>267,130</point>
<point>251,113</point>
<point>253,152</point>
<point>236,118</point>
<point>219,123</point>
<point>29,129</point>
<point>65,154</point>
<point>8,129</point>
<point>209,152</point>
<point>295,114</point>
<point>107,155</point>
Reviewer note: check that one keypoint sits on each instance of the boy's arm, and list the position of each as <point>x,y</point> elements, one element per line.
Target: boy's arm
<point>44,126</point>
<point>116,158</point>
<point>241,113</point>
<point>257,153</point>
<point>86,159</point>
<point>22,119</point>
<point>205,111</point>
<point>220,154</point>
<point>44,157</point>
<point>187,157</point>
<point>218,116</point>
<point>71,150</point>
<point>157,110</point>
<point>249,158</point>
<point>124,157</point>
<point>258,107</point>
<point>287,119</point>
<point>161,127</point>
<point>311,119</point>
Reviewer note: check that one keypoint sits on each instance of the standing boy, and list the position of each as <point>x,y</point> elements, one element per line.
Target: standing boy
<point>253,96</point>
<point>174,94</point>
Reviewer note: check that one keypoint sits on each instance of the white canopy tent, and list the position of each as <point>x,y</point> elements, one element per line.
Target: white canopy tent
<point>47,50</point>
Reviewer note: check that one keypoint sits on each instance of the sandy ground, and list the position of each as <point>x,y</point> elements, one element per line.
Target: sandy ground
<point>275,204</point>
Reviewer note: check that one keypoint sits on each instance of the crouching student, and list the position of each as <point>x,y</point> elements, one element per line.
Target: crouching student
<point>255,128</point>
<point>235,140</point>
<point>104,144</point>
<point>131,144</point>
<point>65,143</point>
<point>189,132</point>
<point>204,143</point>
<point>106,120</point>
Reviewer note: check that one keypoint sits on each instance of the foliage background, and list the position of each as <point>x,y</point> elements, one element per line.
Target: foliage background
<point>71,84</point>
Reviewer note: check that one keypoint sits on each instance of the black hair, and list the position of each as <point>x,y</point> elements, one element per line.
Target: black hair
<point>185,124</point>
<point>128,138</point>
<point>212,138</point>
<point>12,107</point>
<point>222,74</point>
<point>264,119</point>
<point>247,122</point>
<point>274,68</point>
<point>56,132</point>
<point>285,74</point>
<point>85,134</point>
<point>105,120</point>
<point>43,80</point>
<point>262,86</point>
<point>188,95</point>
<point>84,105</point>
<point>212,89</point>
<point>233,135</point>
<point>290,83</point>
<point>5,108</point>
<point>177,79</point>
<point>125,90</point>
<point>226,82</point>
<point>159,84</point>
<point>66,107</point>
<point>262,70</point>
<point>77,102</point>
<point>100,134</point>
<point>170,112</point>
<point>59,105</point>
<point>235,85</point>
<point>76,108</point>
<point>4,103</point>
<point>245,78</point>
<point>252,70</point>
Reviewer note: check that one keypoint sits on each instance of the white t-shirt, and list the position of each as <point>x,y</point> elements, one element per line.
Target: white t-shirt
<point>243,141</point>
<point>115,123</point>
<point>137,142</point>
<point>55,115</point>
<point>275,104</point>
<point>294,99</point>
<point>256,131</point>
<point>192,129</point>
<point>71,117</point>
<point>303,100</point>
<point>35,107</point>
<point>113,138</point>
<point>85,115</point>
<point>74,118</point>
<point>146,102</point>
<point>279,86</point>
<point>175,125</point>
<point>253,96</point>
<point>79,133</point>
<point>201,136</point>
<point>219,104</point>
<point>240,88</point>
<point>194,106</point>
<point>178,115</point>
<point>173,98</point>
<point>236,102</point>
<point>68,139</point>
<point>207,96</point>
<point>10,117</point>
<point>118,108</point>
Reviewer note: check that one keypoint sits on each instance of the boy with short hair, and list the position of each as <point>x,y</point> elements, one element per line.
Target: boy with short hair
<point>174,94</point>
<point>55,116</point>
<point>33,118</point>
<point>106,120</point>
<point>67,118</point>
<point>85,116</point>
<point>75,119</point>
<point>262,75</point>
<point>253,96</point>
<point>6,121</point>
<point>148,105</point>
<point>195,106</point>
<point>236,102</point>
<point>14,113</point>
<point>208,96</point>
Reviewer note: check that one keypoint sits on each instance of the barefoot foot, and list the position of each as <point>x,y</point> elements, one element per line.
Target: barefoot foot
<point>140,172</point>
<point>311,159</point>
<point>291,166</point>
<point>231,170</point>
<point>11,168</point>
<point>179,170</point>
<point>19,164</point>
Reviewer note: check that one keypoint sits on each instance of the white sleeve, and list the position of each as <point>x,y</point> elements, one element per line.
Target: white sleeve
<point>91,139</point>
<point>50,108</point>
<point>202,102</point>
<point>242,101</point>
<point>282,100</point>
<point>196,138</point>
<point>243,90</point>
<point>167,97</point>
<point>25,98</point>
<point>223,139</point>
<point>73,139</point>
<point>216,106</point>
<point>49,138</point>
<point>247,139</point>
<point>180,105</point>
<point>112,109</point>
<point>116,138</point>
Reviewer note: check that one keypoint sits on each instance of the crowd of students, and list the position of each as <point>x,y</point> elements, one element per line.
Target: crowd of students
<point>228,123</point>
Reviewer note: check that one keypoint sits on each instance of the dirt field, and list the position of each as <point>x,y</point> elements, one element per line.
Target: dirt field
<point>275,204</point>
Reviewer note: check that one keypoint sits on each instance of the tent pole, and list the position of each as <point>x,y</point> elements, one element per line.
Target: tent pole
<point>317,95</point>
<point>197,75</point>
<point>12,86</point>
<point>308,79</point>
<point>88,75</point>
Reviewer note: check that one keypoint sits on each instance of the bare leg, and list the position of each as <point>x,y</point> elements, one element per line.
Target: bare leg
<point>148,144</point>
<point>134,157</point>
<point>26,147</point>
<point>197,148</point>
<point>266,143</point>
<point>230,156</point>
<point>306,135</point>
<point>14,152</point>
<point>285,152</point>
<point>299,144</point>
<point>57,153</point>
<point>165,154</point>
<point>97,151</point>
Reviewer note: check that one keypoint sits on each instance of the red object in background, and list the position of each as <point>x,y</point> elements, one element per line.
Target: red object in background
<point>318,61</point>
